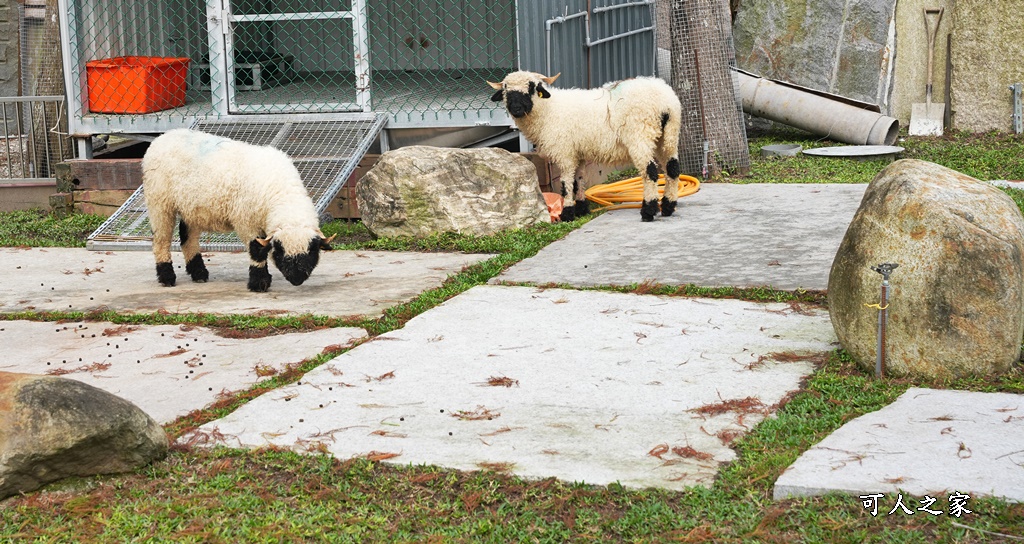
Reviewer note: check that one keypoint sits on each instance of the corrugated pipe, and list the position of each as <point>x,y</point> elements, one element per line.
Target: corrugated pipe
<point>815,113</point>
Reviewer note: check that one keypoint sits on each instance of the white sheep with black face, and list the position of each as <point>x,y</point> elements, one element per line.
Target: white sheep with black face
<point>215,184</point>
<point>635,120</point>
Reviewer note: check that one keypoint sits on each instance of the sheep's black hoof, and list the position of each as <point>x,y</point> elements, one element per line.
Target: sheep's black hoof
<point>259,279</point>
<point>647,210</point>
<point>165,274</point>
<point>668,207</point>
<point>568,214</point>
<point>582,207</point>
<point>197,269</point>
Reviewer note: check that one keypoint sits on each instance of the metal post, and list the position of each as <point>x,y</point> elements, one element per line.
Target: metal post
<point>1018,108</point>
<point>885,269</point>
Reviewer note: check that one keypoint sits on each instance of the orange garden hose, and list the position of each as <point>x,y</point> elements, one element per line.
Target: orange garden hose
<point>629,193</point>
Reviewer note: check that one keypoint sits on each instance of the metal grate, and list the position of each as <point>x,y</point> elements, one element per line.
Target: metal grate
<point>325,152</point>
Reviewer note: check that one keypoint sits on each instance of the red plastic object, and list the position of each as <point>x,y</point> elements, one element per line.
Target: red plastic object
<point>554,202</point>
<point>136,84</point>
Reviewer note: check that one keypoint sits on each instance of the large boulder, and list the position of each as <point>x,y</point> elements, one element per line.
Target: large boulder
<point>956,304</point>
<point>419,190</point>
<point>52,428</point>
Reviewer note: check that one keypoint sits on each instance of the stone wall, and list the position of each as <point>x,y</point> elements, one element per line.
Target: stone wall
<point>988,57</point>
<point>876,51</point>
<point>837,46</point>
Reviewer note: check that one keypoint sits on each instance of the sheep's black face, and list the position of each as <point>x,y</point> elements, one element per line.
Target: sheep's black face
<point>297,268</point>
<point>519,104</point>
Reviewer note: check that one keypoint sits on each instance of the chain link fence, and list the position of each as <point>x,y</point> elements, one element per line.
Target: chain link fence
<point>420,60</point>
<point>33,114</point>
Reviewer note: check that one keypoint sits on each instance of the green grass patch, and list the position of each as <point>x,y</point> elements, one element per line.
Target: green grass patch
<point>229,495</point>
<point>983,156</point>
<point>37,228</point>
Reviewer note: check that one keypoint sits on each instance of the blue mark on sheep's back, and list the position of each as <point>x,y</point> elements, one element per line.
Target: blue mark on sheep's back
<point>207,143</point>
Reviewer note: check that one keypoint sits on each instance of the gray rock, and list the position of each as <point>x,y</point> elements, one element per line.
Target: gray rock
<point>957,299</point>
<point>52,428</point>
<point>419,190</point>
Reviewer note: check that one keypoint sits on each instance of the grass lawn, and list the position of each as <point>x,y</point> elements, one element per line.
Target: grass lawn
<point>227,495</point>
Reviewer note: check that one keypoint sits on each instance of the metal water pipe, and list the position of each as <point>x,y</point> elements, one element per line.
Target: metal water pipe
<point>885,269</point>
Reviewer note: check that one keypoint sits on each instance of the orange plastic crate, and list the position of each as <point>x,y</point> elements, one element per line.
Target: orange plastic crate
<point>136,84</point>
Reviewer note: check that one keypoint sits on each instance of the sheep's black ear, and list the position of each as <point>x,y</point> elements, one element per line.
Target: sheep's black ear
<point>542,92</point>
<point>326,244</point>
<point>498,96</point>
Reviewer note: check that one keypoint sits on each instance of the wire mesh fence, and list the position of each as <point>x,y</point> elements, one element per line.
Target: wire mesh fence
<point>208,58</point>
<point>713,138</point>
<point>33,118</point>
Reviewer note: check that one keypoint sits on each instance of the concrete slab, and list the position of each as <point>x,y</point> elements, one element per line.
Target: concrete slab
<point>346,283</point>
<point>928,442</point>
<point>580,385</point>
<point>781,235</point>
<point>166,370</point>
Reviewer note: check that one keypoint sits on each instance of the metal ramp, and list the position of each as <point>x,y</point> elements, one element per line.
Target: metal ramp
<point>325,149</point>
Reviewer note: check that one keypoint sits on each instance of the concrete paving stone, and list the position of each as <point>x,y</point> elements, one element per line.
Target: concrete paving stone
<point>580,385</point>
<point>166,370</point>
<point>928,442</point>
<point>780,235</point>
<point>346,283</point>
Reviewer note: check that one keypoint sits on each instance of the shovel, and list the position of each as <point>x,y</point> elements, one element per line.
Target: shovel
<point>926,119</point>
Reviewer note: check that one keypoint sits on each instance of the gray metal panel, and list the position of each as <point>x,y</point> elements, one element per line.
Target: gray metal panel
<point>622,40</point>
<point>568,40</point>
<point>627,56</point>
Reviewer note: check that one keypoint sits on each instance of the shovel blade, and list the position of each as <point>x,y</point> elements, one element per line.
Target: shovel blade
<point>926,119</point>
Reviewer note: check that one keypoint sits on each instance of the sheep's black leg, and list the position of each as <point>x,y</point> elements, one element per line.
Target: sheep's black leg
<point>668,202</point>
<point>193,258</point>
<point>568,176</point>
<point>650,206</point>
<point>582,207</point>
<point>259,276</point>
<point>165,274</point>
<point>163,227</point>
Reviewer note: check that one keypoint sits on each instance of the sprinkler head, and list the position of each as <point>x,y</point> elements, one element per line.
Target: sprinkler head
<point>885,269</point>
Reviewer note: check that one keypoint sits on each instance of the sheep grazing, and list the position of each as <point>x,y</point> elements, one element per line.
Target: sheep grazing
<point>636,120</point>
<point>214,184</point>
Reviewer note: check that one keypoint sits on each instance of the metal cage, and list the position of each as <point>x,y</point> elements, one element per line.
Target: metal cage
<point>146,66</point>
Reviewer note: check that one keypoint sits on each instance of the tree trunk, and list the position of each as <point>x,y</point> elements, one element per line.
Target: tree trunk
<point>702,56</point>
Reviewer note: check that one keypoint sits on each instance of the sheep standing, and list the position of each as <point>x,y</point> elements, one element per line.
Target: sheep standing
<point>215,184</point>
<point>636,120</point>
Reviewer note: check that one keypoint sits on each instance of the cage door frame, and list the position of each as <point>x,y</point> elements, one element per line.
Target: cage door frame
<point>222,23</point>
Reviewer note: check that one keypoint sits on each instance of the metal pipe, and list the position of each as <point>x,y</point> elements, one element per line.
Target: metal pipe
<point>885,269</point>
<point>815,113</point>
<point>1018,107</point>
